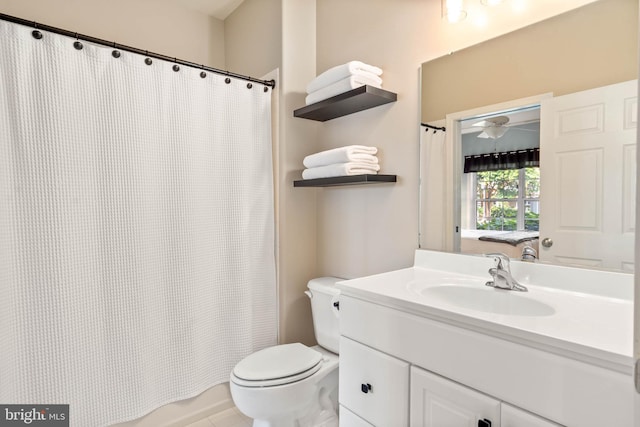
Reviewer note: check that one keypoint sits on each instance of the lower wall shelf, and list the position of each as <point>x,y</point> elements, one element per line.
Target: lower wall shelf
<point>345,180</point>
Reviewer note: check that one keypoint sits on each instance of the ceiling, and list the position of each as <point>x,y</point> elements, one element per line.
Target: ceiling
<point>217,8</point>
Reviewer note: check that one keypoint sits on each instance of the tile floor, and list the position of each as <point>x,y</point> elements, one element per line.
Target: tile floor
<point>229,418</point>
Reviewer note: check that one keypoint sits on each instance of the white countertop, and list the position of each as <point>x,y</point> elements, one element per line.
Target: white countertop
<point>587,315</point>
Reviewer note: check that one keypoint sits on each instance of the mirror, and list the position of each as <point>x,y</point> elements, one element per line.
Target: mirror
<point>590,47</point>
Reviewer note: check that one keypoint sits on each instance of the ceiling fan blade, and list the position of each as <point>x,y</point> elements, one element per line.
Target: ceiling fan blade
<point>483,123</point>
<point>498,121</point>
<point>524,130</point>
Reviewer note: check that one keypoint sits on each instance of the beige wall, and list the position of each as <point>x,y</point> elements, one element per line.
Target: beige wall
<point>370,229</point>
<point>262,35</point>
<point>253,37</point>
<point>588,47</point>
<point>297,209</point>
<point>373,228</point>
<point>156,26</point>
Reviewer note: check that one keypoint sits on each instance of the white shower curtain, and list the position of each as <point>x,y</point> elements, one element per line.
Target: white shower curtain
<point>433,160</point>
<point>136,228</point>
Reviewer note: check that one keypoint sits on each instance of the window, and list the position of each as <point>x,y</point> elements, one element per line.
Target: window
<point>506,200</point>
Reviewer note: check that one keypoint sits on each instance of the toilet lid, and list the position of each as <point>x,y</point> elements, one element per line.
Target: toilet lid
<point>280,361</point>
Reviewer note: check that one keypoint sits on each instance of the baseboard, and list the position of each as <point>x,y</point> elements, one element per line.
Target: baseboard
<point>185,412</point>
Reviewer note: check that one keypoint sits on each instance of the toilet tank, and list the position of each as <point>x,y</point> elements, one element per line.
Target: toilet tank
<point>324,309</point>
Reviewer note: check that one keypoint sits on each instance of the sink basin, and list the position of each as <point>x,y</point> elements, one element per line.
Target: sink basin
<point>472,294</point>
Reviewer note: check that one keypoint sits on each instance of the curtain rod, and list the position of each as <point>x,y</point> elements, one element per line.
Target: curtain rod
<point>444,129</point>
<point>38,26</point>
<point>524,150</point>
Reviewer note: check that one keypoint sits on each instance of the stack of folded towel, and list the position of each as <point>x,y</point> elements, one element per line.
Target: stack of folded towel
<point>342,78</point>
<point>343,161</point>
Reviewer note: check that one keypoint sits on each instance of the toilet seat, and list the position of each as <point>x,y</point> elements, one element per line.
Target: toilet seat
<point>278,365</point>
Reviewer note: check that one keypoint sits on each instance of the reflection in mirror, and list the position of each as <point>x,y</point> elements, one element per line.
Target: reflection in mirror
<point>522,127</point>
<point>500,186</point>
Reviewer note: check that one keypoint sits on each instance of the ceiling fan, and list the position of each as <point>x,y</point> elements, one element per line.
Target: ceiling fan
<point>493,127</point>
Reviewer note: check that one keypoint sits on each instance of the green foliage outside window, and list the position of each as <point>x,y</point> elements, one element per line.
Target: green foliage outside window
<point>497,196</point>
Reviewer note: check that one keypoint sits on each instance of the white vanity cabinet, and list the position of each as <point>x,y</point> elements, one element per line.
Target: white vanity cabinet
<point>514,417</point>
<point>427,370</point>
<point>438,402</point>
<point>373,385</point>
<point>349,419</point>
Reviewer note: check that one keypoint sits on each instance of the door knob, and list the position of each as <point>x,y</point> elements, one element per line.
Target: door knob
<point>547,242</point>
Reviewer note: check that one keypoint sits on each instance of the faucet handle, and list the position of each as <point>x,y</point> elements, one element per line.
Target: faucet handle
<point>502,260</point>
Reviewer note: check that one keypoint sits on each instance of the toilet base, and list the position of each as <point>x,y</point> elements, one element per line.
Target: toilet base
<point>321,412</point>
<point>311,402</point>
<point>318,415</point>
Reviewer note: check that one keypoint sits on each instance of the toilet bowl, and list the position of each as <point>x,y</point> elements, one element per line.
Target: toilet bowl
<point>293,385</point>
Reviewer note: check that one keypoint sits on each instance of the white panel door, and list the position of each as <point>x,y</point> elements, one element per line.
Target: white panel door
<point>439,402</point>
<point>587,177</point>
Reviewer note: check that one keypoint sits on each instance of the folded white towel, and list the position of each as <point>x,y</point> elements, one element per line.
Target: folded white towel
<point>339,87</point>
<point>372,78</point>
<point>350,153</point>
<point>340,169</point>
<point>340,72</point>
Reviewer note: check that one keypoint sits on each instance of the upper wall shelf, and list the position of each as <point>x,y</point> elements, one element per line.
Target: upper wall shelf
<point>358,99</point>
<point>345,180</point>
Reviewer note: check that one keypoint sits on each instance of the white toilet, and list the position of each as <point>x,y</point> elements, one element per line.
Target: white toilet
<point>292,385</point>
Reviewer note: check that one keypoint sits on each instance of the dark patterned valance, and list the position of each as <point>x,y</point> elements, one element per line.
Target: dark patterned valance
<point>500,161</point>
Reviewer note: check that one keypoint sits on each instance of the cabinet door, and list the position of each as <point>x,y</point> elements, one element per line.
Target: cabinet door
<point>349,419</point>
<point>514,417</point>
<point>439,402</point>
<point>373,385</point>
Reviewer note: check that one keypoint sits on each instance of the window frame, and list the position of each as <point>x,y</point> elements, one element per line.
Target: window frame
<point>520,201</point>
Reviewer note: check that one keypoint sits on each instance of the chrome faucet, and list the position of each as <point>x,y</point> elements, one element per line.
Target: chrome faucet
<point>501,273</point>
<point>529,254</point>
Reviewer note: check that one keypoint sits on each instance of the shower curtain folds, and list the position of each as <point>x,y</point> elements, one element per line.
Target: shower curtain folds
<point>136,228</point>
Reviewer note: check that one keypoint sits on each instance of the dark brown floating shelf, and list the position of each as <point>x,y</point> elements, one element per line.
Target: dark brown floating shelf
<point>358,99</point>
<point>345,180</point>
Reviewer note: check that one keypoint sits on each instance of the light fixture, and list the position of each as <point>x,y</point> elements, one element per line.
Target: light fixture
<point>493,127</point>
<point>490,2</point>
<point>453,10</point>
<point>495,132</point>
